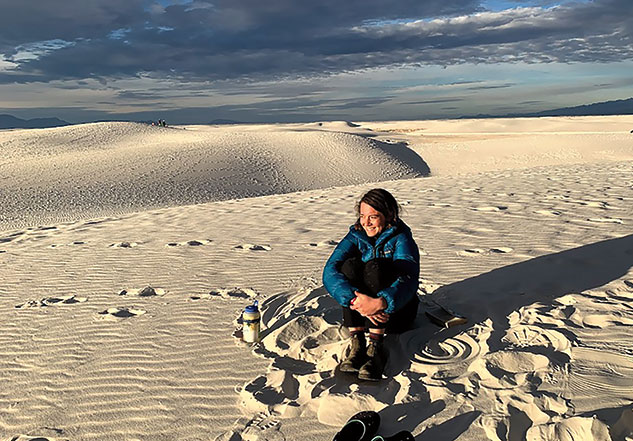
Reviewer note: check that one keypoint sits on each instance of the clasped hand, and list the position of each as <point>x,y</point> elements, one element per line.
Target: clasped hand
<point>370,307</point>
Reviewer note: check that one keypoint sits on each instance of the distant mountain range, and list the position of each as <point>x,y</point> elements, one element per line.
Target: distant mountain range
<point>11,122</point>
<point>616,107</point>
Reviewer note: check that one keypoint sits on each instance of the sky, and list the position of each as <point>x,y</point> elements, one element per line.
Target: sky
<point>196,61</point>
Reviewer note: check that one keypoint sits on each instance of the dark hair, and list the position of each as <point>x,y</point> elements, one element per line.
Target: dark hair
<point>380,200</point>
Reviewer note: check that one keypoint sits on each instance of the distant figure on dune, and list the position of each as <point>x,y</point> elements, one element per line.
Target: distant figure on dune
<point>373,274</point>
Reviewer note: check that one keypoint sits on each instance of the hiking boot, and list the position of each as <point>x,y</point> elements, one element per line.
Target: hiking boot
<point>376,360</point>
<point>356,355</point>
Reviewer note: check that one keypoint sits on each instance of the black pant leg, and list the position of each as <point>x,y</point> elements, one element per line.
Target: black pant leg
<point>378,274</point>
<point>402,319</point>
<point>371,277</point>
<point>353,319</point>
<point>353,270</point>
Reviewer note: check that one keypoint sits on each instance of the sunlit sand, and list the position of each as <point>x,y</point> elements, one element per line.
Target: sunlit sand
<point>127,253</point>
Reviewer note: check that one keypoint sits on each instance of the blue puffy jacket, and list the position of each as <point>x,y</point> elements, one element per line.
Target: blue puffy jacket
<point>395,243</point>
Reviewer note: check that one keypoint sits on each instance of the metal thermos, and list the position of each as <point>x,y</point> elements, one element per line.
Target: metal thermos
<point>251,321</point>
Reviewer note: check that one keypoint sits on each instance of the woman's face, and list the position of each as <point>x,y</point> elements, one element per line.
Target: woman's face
<point>372,221</point>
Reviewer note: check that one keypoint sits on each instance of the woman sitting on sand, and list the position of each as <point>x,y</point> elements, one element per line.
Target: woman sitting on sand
<point>373,274</point>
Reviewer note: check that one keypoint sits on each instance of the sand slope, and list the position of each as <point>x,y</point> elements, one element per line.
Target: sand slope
<point>539,258</point>
<point>91,170</point>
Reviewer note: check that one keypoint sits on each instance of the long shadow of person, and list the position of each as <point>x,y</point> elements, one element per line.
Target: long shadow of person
<point>493,296</point>
<point>496,294</point>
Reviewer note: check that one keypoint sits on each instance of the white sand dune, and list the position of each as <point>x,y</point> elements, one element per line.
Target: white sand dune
<point>536,249</point>
<point>95,169</point>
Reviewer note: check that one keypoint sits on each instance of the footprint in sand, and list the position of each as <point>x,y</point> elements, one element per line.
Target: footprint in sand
<point>548,212</point>
<point>591,204</point>
<point>251,247</point>
<point>63,300</point>
<point>439,205</point>
<point>123,245</point>
<point>476,251</point>
<point>190,243</point>
<point>471,252</point>
<point>46,228</point>
<point>147,291</point>
<point>10,237</point>
<point>606,220</point>
<point>501,250</point>
<point>491,208</point>
<point>70,244</point>
<point>49,301</point>
<point>233,293</point>
<point>598,204</point>
<point>325,243</point>
<point>119,313</point>
<point>556,196</point>
<point>528,336</point>
<point>260,428</point>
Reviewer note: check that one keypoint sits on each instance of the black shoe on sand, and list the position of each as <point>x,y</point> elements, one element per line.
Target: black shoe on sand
<point>376,360</point>
<point>400,436</point>
<point>357,354</point>
<point>360,427</point>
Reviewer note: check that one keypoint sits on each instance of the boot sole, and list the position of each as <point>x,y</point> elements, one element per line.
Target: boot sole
<point>348,370</point>
<point>368,378</point>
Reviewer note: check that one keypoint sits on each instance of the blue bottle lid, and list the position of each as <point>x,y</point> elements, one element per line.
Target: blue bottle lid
<point>252,308</point>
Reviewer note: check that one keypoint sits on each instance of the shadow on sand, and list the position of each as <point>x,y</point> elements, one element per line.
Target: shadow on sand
<point>496,294</point>
<point>402,152</point>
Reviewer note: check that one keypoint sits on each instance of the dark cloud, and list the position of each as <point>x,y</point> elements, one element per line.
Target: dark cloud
<point>205,41</point>
<point>28,21</point>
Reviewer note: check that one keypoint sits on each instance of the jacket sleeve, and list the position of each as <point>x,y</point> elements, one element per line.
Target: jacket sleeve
<point>334,281</point>
<point>406,261</point>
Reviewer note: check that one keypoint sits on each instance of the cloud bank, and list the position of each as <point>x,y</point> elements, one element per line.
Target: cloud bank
<point>251,40</point>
